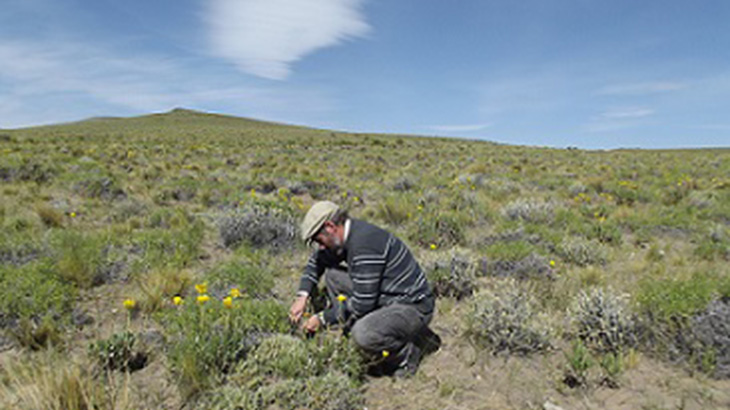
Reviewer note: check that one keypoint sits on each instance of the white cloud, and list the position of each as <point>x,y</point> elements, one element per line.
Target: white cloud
<point>641,88</point>
<point>459,128</point>
<point>62,82</point>
<point>627,113</point>
<point>265,37</point>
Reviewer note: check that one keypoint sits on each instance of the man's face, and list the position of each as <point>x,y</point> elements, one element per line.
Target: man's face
<point>328,237</point>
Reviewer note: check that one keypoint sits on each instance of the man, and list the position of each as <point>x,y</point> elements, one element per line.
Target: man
<point>375,287</point>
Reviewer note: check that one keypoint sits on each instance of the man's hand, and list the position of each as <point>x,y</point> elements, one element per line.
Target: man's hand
<point>312,324</point>
<point>297,308</point>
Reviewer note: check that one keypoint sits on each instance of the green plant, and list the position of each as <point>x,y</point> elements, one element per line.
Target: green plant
<point>118,352</point>
<point>259,227</point>
<point>505,319</point>
<point>33,291</point>
<point>252,279</point>
<point>157,286</point>
<point>454,276</point>
<point>207,338</point>
<point>78,257</point>
<point>580,362</point>
<point>582,252</point>
<point>603,321</point>
<point>669,298</point>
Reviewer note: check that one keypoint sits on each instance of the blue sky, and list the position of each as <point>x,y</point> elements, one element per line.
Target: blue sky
<point>585,73</point>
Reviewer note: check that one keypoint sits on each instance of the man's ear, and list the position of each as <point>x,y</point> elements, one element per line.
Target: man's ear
<point>328,225</point>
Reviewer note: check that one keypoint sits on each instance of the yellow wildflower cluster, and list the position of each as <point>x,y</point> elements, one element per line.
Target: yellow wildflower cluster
<point>601,217</point>
<point>628,184</point>
<point>582,197</point>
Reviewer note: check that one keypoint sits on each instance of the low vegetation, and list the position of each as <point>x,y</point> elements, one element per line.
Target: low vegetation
<point>149,262</point>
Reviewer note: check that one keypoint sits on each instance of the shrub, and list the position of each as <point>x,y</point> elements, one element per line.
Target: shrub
<point>529,210</point>
<point>603,321</point>
<point>159,285</point>
<point>582,252</point>
<point>78,257</point>
<point>50,217</point>
<point>394,210</point>
<point>249,279</point>
<point>665,299</point>
<point>532,266</point>
<point>177,247</point>
<point>118,352</point>
<point>712,330</point>
<point>33,291</point>
<point>403,184</point>
<point>285,356</point>
<point>99,186</point>
<point>506,320</point>
<point>331,391</point>
<point>18,248</point>
<point>52,382</point>
<point>259,227</point>
<point>440,229</point>
<point>453,277</point>
<point>207,339</point>
<point>37,333</point>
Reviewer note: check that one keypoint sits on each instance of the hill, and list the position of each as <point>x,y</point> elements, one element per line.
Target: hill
<point>582,279</point>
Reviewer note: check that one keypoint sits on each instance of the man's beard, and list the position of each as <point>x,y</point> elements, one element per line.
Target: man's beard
<point>339,246</point>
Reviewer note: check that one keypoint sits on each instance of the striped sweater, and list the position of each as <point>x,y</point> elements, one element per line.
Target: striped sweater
<point>382,269</point>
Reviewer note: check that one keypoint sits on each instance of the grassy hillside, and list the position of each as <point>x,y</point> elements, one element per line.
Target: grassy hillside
<point>149,262</point>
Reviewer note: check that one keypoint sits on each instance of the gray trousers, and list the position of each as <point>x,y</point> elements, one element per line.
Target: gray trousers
<point>390,328</point>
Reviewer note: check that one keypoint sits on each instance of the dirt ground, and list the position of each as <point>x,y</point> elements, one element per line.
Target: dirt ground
<point>456,377</point>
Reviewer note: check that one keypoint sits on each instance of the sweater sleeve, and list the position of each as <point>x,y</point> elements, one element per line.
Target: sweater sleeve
<point>312,272</point>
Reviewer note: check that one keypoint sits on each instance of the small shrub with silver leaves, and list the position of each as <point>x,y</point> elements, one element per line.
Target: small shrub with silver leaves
<point>603,320</point>
<point>529,210</point>
<point>506,319</point>
<point>259,227</point>
<point>712,329</point>
<point>452,277</point>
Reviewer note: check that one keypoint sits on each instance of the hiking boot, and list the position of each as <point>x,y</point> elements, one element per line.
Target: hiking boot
<point>412,356</point>
<point>428,341</point>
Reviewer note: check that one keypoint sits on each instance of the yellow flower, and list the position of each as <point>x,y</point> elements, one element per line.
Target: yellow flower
<point>177,300</point>
<point>203,298</point>
<point>433,246</point>
<point>235,293</point>
<point>202,288</point>
<point>73,214</point>
<point>228,302</point>
<point>341,298</point>
<point>253,192</point>
<point>129,304</point>
<point>386,353</point>
<point>552,263</point>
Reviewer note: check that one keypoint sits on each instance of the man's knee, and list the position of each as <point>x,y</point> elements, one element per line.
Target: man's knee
<point>363,336</point>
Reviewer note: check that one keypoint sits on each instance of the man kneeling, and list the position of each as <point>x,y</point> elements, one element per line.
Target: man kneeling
<point>375,287</point>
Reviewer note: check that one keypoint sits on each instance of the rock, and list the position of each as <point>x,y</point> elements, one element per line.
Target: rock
<point>549,406</point>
